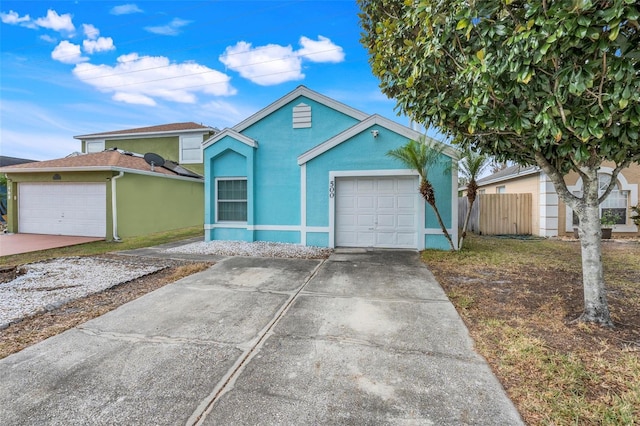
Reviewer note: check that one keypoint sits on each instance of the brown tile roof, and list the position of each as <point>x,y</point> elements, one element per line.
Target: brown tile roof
<point>105,159</point>
<point>171,127</point>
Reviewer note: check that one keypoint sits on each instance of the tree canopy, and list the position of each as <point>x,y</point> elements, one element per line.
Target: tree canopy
<point>558,78</point>
<point>551,83</point>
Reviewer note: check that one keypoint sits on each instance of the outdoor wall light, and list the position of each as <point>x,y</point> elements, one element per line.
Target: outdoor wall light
<point>375,133</point>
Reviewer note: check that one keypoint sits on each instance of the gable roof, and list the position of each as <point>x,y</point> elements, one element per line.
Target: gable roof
<point>111,160</point>
<point>507,173</point>
<point>10,161</point>
<point>170,128</point>
<point>364,125</point>
<point>232,134</point>
<point>300,91</point>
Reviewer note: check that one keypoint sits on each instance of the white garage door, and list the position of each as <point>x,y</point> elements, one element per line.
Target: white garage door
<point>377,212</point>
<point>63,209</point>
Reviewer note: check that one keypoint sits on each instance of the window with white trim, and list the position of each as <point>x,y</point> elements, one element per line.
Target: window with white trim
<point>191,149</point>
<point>231,199</point>
<point>501,189</point>
<point>94,146</point>
<point>616,202</point>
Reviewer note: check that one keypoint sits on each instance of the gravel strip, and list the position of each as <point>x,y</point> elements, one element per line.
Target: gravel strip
<point>257,249</point>
<point>48,285</point>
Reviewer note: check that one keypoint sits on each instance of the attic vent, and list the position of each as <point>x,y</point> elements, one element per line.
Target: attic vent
<point>301,116</point>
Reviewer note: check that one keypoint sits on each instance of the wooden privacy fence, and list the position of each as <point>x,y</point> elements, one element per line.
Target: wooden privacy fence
<point>498,214</point>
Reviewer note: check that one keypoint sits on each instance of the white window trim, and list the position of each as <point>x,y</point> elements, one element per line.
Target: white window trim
<point>99,141</point>
<point>623,185</point>
<point>201,155</point>
<point>230,222</point>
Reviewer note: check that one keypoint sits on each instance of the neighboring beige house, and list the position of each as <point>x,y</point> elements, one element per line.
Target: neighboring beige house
<point>550,216</point>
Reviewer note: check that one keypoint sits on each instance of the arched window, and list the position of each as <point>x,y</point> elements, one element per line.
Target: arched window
<point>617,201</point>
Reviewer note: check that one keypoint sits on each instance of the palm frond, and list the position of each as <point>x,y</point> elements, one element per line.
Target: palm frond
<point>472,164</point>
<point>418,155</point>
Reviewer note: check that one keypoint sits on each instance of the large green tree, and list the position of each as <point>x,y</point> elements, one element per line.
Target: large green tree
<point>553,83</point>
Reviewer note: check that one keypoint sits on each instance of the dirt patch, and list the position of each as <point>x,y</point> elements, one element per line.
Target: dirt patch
<point>10,273</point>
<point>39,327</point>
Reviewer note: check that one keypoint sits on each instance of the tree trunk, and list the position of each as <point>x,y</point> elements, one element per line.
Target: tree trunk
<point>587,207</point>
<point>444,228</point>
<point>470,201</point>
<point>426,189</point>
<point>596,308</point>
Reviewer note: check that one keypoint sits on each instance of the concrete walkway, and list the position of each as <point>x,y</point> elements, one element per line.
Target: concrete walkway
<point>365,338</point>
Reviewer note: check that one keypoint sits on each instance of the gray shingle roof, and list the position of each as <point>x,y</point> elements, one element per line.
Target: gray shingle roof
<point>508,173</point>
<point>162,128</point>
<point>10,161</point>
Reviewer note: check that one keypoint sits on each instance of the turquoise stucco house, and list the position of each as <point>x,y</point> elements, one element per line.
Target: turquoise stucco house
<point>313,171</point>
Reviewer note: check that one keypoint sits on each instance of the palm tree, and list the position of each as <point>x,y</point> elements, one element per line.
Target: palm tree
<point>421,156</point>
<point>472,164</point>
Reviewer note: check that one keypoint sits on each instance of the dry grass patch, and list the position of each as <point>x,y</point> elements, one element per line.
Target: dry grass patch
<point>519,299</point>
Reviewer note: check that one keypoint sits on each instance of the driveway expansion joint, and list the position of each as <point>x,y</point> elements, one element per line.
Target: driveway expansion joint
<point>227,382</point>
<point>141,338</point>
<point>474,359</point>
<point>372,298</point>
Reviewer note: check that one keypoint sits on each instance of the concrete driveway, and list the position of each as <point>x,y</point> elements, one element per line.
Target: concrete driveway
<point>362,338</point>
<point>24,243</point>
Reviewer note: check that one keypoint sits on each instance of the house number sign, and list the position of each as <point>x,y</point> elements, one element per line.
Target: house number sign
<point>332,189</point>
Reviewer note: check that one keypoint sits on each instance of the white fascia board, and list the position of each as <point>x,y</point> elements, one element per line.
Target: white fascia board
<point>58,169</point>
<point>533,171</point>
<point>97,169</point>
<point>232,134</point>
<point>308,93</point>
<point>364,125</point>
<point>143,135</point>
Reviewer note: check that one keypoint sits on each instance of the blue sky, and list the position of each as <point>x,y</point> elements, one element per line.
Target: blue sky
<point>76,67</point>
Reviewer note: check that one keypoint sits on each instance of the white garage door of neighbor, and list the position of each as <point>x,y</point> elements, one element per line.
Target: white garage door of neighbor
<point>376,212</point>
<point>77,209</point>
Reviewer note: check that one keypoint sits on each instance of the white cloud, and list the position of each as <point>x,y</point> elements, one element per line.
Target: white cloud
<point>13,18</point>
<point>172,28</point>
<point>323,50</point>
<point>56,22</point>
<point>264,65</point>
<point>90,31</point>
<point>133,98</point>
<point>144,79</point>
<point>125,9</point>
<point>48,38</point>
<point>274,64</point>
<point>102,44</point>
<point>68,53</point>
